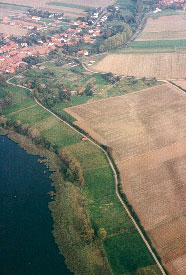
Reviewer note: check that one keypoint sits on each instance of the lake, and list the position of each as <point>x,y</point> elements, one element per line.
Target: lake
<point>27,245</point>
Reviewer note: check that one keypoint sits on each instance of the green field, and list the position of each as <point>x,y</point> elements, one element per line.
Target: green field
<point>127,6</point>
<point>20,97</point>
<point>124,247</point>
<point>158,44</point>
<point>167,12</point>
<point>81,7</point>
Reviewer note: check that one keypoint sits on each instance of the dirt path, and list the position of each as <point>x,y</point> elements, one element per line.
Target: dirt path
<point>116,185</point>
<point>29,107</point>
<point>115,179</point>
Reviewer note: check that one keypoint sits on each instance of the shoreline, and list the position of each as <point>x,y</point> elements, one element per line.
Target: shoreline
<point>60,232</point>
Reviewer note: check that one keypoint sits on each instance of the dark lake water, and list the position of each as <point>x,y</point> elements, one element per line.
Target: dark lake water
<point>27,246</point>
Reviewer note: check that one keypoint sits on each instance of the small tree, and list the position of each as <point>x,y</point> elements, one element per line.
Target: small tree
<point>102,234</point>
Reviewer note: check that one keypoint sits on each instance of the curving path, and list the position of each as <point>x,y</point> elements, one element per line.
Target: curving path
<point>115,178</point>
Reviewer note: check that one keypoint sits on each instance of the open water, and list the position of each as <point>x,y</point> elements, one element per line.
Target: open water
<point>27,246</point>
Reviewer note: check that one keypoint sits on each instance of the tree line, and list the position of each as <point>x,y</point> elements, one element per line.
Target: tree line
<point>116,40</point>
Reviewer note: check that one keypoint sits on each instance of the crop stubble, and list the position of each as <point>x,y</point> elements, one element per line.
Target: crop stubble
<point>147,133</point>
<point>164,28</point>
<point>159,65</point>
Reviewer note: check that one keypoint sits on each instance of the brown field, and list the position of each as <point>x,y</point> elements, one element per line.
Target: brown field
<point>12,30</point>
<point>164,28</point>
<point>67,10</point>
<point>9,12</point>
<point>147,132</point>
<point>180,83</point>
<point>159,65</point>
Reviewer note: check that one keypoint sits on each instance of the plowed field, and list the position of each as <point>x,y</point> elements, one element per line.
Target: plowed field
<point>147,132</point>
<point>164,28</point>
<point>159,65</point>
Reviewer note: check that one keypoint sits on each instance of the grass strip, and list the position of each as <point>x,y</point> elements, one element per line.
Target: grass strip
<point>86,8</point>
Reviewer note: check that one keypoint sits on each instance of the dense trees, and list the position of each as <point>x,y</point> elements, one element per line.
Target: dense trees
<point>74,171</point>
<point>116,40</point>
<point>6,98</point>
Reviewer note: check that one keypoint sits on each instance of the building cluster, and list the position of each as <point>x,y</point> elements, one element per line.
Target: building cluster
<point>173,3</point>
<point>12,54</point>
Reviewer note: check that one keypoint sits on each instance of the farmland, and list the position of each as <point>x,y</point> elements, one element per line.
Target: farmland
<point>159,65</point>
<point>57,76</point>
<point>159,51</point>
<point>12,30</point>
<point>164,28</point>
<point>98,191</point>
<point>180,83</point>
<point>70,8</point>
<point>147,135</point>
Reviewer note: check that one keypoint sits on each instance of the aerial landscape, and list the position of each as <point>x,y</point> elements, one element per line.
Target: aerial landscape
<point>92,137</point>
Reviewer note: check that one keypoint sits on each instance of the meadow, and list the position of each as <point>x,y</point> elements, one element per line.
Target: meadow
<point>159,51</point>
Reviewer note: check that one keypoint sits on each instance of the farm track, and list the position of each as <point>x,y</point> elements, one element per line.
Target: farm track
<point>114,173</point>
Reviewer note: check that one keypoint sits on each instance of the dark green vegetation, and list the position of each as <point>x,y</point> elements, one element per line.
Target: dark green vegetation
<point>81,212</point>
<point>81,7</point>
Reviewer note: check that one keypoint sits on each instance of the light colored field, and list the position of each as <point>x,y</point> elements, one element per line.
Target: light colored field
<point>164,28</point>
<point>159,65</point>
<point>147,132</point>
<point>12,30</point>
<point>181,83</point>
<point>43,4</point>
<point>9,12</point>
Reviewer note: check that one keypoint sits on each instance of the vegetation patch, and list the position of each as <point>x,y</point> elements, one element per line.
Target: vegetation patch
<point>68,5</point>
<point>124,257</point>
<point>158,44</point>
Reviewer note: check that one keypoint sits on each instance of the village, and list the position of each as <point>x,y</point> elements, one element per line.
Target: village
<point>14,49</point>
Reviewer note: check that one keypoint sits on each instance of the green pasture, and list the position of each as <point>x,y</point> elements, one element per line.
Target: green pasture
<point>127,252</point>
<point>167,12</point>
<point>158,44</point>
<point>20,98</point>
<point>60,135</point>
<point>30,116</point>
<point>68,5</point>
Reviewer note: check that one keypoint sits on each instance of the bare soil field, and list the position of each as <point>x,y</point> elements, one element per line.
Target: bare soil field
<point>180,83</point>
<point>147,132</point>
<point>12,30</point>
<point>159,65</point>
<point>164,28</point>
<point>43,4</point>
<point>9,12</point>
